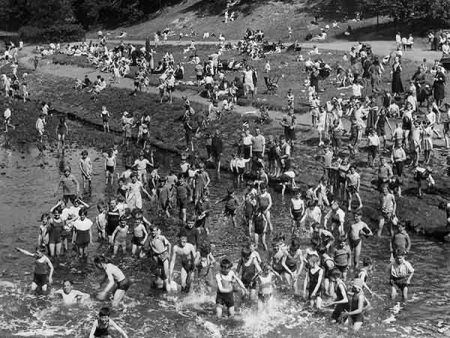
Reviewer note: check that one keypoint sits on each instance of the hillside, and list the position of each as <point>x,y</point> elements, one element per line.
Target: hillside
<point>202,16</point>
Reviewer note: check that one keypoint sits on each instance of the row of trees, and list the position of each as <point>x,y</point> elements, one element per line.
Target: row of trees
<point>88,13</point>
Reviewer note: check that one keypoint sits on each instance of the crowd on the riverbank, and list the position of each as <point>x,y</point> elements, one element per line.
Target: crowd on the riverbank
<point>323,212</point>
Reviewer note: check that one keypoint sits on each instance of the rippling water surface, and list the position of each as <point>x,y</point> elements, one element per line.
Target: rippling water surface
<point>27,183</point>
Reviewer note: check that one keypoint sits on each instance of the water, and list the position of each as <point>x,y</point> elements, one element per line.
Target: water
<point>27,183</point>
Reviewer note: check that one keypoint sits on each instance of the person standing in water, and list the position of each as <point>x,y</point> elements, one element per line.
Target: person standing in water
<point>356,230</point>
<point>187,253</point>
<point>101,326</point>
<point>62,130</point>
<point>358,303</point>
<point>69,295</point>
<point>43,269</point>
<point>115,277</point>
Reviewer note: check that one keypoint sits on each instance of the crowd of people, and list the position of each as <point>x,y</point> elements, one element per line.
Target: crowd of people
<point>331,271</point>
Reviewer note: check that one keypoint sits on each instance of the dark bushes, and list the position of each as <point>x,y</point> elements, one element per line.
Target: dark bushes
<point>57,33</point>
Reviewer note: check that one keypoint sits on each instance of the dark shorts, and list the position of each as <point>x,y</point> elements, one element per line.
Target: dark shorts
<point>260,228</point>
<point>297,215</point>
<point>246,152</point>
<point>110,169</point>
<point>40,279</point>
<point>137,240</point>
<point>357,318</point>
<point>342,268</point>
<point>230,212</point>
<point>199,77</point>
<point>71,198</point>
<point>162,257</point>
<point>337,313</point>
<point>183,203</point>
<point>399,282</point>
<point>354,242</point>
<point>123,284</point>
<point>225,299</point>
<point>258,154</point>
<point>351,189</point>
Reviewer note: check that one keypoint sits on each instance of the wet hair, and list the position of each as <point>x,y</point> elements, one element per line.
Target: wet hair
<point>68,280</point>
<point>45,215</point>
<point>84,152</point>
<point>100,260</point>
<point>225,264</point>
<point>295,243</point>
<point>104,312</point>
<point>82,212</point>
<point>336,273</point>
<point>245,252</point>
<point>367,261</point>
<point>204,249</point>
<point>313,259</point>
<point>182,233</point>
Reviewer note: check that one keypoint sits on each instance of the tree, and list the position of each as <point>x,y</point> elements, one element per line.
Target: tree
<point>376,7</point>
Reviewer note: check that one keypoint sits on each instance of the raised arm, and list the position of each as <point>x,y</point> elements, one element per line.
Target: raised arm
<point>118,328</point>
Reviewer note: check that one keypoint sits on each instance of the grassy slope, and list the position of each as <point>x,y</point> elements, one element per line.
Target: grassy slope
<point>207,16</point>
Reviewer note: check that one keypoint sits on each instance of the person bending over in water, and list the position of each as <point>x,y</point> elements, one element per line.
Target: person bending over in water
<point>101,326</point>
<point>69,295</point>
<point>115,277</point>
<point>187,253</point>
<point>43,269</point>
<point>358,303</point>
<point>225,279</point>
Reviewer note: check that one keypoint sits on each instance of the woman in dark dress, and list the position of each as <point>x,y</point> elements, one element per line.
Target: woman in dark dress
<point>397,86</point>
<point>439,86</point>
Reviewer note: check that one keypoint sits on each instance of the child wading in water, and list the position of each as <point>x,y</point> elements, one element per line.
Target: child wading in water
<point>101,326</point>
<point>43,269</point>
<point>225,279</point>
<point>86,171</point>
<point>313,282</point>
<point>115,277</point>
<point>358,303</point>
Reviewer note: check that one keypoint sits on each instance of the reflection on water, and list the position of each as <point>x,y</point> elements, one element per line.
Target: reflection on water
<point>27,183</point>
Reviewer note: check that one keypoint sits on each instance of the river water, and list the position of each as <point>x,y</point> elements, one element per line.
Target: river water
<point>27,183</point>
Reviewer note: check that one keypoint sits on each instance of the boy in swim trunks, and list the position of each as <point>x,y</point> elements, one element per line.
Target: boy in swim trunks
<point>401,273</point>
<point>356,230</point>
<point>161,249</point>
<point>103,323</point>
<point>225,279</point>
<point>231,205</point>
<point>187,254</point>
<point>265,283</point>
<point>86,171</point>
<point>342,256</point>
<point>43,269</point>
<point>110,166</point>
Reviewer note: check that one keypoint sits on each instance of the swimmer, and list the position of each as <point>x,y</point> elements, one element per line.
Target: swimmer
<point>110,166</point>
<point>119,236</point>
<point>43,238</point>
<point>115,277</point>
<point>82,236</point>
<point>101,326</point>
<point>358,303</point>
<point>249,267</point>
<point>69,184</point>
<point>161,249</point>
<point>101,221</point>
<point>265,283</point>
<point>342,256</point>
<point>337,216</point>
<point>43,269</point>
<point>69,295</point>
<point>292,262</point>
<point>225,292</point>
<point>297,210</point>
<point>356,230</point>
<point>187,253</point>
<point>313,282</point>
<point>265,204</point>
<point>86,171</point>
<point>259,227</point>
<point>400,240</point>
<point>140,235</point>
<point>364,273</point>
<point>231,205</point>
<point>401,273</point>
<point>341,301</point>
